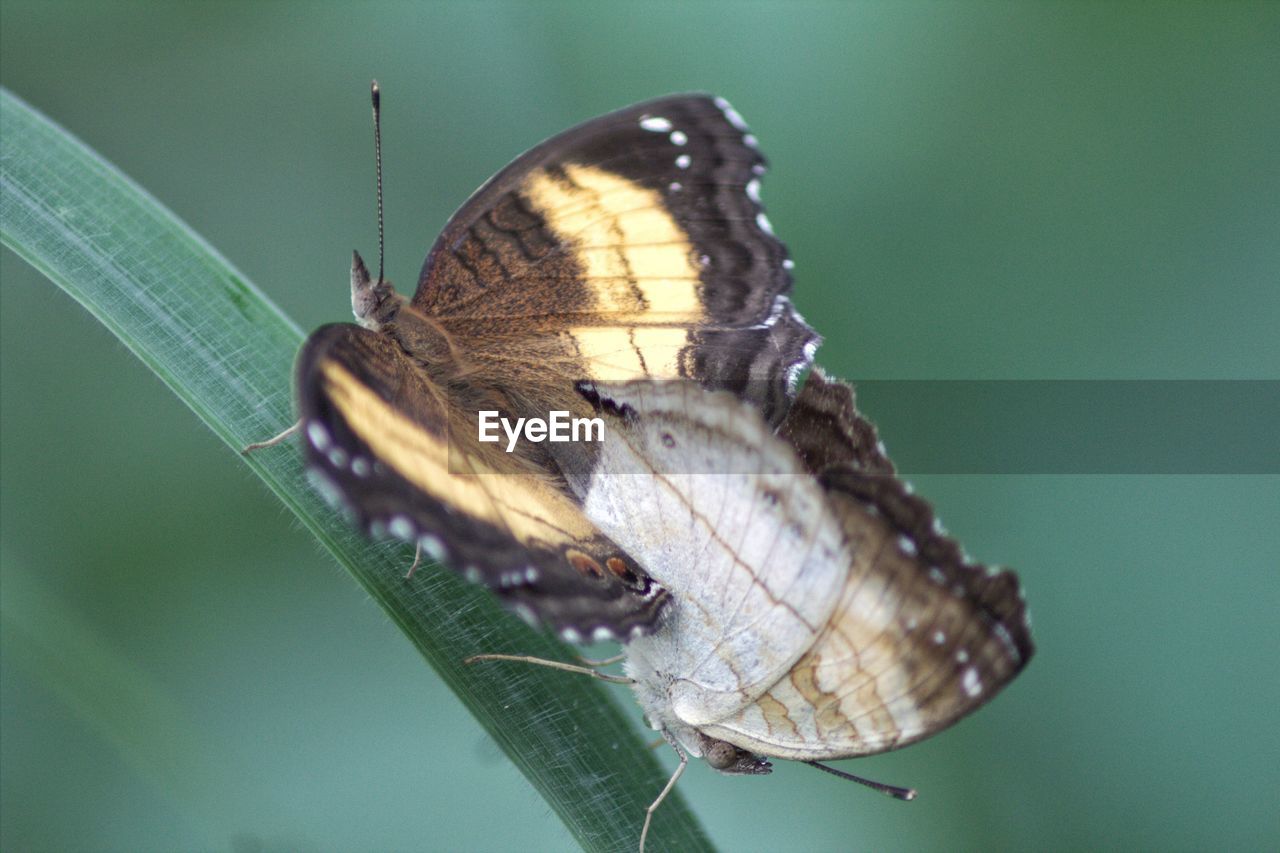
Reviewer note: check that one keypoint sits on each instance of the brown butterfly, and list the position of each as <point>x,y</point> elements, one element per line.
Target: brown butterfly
<point>632,246</point>
<point>781,592</point>
<point>816,609</point>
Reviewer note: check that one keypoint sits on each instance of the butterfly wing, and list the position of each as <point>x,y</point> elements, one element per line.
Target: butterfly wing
<point>731,526</point>
<point>638,241</point>
<point>920,636</point>
<point>382,441</point>
<point>826,429</point>
<point>632,245</point>
<point>754,546</point>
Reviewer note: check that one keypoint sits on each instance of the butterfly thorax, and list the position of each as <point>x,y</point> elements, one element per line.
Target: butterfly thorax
<point>422,338</point>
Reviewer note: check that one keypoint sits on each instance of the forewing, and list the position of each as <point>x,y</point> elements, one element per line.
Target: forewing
<point>638,239</point>
<point>382,441</point>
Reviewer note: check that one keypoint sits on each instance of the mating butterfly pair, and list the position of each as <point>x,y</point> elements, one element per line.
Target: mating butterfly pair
<point>780,592</point>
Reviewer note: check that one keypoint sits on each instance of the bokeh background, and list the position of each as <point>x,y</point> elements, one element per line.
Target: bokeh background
<point>1034,190</point>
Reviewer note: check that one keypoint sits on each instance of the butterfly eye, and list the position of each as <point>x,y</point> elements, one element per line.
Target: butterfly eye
<point>668,440</point>
<point>721,755</point>
<point>727,758</point>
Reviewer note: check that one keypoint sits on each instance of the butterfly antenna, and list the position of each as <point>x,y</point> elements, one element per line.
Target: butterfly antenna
<point>375,95</point>
<point>892,790</point>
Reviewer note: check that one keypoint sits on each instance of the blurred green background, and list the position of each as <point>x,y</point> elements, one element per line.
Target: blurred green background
<point>969,190</point>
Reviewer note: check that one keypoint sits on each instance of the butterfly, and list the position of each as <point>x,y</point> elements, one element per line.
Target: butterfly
<point>780,591</point>
<point>632,246</point>
<point>817,609</point>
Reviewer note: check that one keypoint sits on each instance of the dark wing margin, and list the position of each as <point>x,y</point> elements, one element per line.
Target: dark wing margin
<point>837,443</point>
<point>692,158</point>
<point>826,428</point>
<point>996,595</point>
<point>374,434</point>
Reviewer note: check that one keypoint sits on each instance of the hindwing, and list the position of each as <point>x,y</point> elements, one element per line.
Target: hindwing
<point>817,610</point>
<point>729,524</point>
<point>920,635</point>
<point>384,442</point>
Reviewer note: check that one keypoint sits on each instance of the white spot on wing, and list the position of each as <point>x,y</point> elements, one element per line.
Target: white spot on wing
<point>753,190</point>
<point>432,545</point>
<point>730,114</point>
<point>779,307</point>
<point>318,435</point>
<point>793,375</point>
<point>972,685</point>
<point>571,635</point>
<point>657,124</point>
<point>763,222</point>
<point>939,638</point>
<point>328,489</point>
<point>906,546</point>
<point>678,137</point>
<point>675,186</point>
<point>788,264</point>
<point>750,140</point>
<point>1003,633</point>
<point>401,528</point>
<point>599,635</point>
<point>683,161</point>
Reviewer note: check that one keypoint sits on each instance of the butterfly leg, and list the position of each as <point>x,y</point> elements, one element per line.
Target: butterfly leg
<point>417,561</point>
<point>553,664</point>
<point>671,783</point>
<point>603,661</point>
<point>271,442</point>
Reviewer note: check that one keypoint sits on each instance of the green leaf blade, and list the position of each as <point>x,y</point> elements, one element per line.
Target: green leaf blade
<point>226,351</point>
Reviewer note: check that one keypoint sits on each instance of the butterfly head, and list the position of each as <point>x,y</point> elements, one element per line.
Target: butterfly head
<point>731,760</point>
<point>373,302</point>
